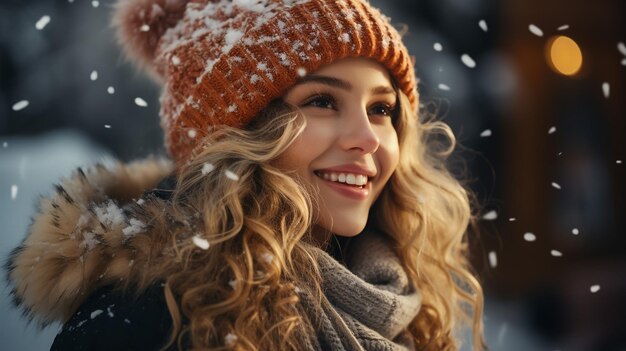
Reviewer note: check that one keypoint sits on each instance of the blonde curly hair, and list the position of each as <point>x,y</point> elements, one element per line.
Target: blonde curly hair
<point>242,293</point>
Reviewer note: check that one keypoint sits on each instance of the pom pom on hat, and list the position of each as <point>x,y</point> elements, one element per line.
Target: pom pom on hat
<point>141,24</point>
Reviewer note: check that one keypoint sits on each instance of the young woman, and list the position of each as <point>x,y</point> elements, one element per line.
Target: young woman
<point>307,207</point>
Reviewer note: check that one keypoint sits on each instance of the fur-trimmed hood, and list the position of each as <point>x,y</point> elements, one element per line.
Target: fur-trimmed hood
<point>100,227</point>
<point>111,227</point>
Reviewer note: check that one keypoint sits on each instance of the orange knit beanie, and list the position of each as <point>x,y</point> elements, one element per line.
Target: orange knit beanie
<point>222,61</point>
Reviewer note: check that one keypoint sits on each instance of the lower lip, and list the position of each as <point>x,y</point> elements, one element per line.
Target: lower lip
<point>349,191</point>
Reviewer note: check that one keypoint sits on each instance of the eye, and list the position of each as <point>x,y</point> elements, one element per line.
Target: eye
<point>383,109</point>
<point>321,101</point>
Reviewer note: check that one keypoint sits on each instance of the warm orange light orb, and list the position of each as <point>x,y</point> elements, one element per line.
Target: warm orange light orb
<point>564,55</point>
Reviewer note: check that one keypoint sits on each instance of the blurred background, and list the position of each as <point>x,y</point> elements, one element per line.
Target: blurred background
<point>534,91</point>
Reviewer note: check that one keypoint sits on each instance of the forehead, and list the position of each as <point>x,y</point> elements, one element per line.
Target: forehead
<point>364,71</point>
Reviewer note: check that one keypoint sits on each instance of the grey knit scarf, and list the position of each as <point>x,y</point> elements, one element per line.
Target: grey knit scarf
<point>368,304</point>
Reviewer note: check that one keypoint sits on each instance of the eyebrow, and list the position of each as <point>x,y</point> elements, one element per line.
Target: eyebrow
<point>341,84</point>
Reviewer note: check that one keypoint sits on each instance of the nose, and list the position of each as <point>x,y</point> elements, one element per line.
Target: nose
<point>357,133</point>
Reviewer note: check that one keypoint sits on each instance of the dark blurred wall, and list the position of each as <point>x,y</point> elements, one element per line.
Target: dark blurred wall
<point>582,156</point>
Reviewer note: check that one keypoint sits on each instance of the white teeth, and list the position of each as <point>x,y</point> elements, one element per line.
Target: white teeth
<point>361,179</point>
<point>348,178</point>
<point>351,179</point>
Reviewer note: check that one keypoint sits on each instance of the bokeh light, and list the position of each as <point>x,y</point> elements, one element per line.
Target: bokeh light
<point>564,55</point>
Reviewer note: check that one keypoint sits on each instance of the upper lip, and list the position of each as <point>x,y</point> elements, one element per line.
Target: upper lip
<point>350,168</point>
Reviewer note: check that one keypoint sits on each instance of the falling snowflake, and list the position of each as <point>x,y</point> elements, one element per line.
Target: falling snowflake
<point>485,133</point>
<point>563,27</point>
<point>93,75</point>
<point>107,126</point>
<point>175,60</point>
<point>530,237</point>
<point>140,102</point>
<point>201,242</point>
<point>301,71</point>
<point>556,253</point>
<point>95,3</point>
<point>230,339</point>
<point>207,168</point>
<point>42,22</point>
<point>493,259</point>
<point>619,162</point>
<point>144,28</point>
<point>606,89</point>
<point>20,105</point>
<point>512,219</point>
<point>230,175</point>
<point>621,47</point>
<point>483,25</point>
<point>444,87</point>
<point>468,61</point>
<point>192,133</point>
<point>267,257</point>
<point>13,192</point>
<point>96,313</point>
<point>575,231</point>
<point>552,130</point>
<point>535,30</point>
<point>437,46</point>
<point>556,186</point>
<point>594,288</point>
<point>111,90</point>
<point>490,216</point>
<point>503,328</point>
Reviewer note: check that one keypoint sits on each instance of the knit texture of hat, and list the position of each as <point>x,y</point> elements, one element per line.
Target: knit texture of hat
<point>222,62</point>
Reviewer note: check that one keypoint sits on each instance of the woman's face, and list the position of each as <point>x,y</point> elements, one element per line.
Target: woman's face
<point>349,148</point>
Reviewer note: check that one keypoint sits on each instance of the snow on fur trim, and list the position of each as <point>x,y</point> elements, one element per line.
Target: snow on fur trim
<point>89,233</point>
<point>140,25</point>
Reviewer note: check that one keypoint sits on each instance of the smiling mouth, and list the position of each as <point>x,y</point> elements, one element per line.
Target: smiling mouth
<point>357,181</point>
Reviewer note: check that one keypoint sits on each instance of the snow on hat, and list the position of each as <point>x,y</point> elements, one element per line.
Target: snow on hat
<point>222,62</point>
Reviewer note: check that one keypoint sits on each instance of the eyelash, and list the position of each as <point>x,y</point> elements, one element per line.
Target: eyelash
<point>389,109</point>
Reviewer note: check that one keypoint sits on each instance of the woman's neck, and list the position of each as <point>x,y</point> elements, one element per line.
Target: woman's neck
<point>334,245</point>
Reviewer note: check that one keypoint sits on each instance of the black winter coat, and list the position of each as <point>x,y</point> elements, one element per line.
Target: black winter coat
<point>111,320</point>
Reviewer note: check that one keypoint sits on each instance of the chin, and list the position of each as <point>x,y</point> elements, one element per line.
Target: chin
<point>348,234</point>
<point>347,229</point>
